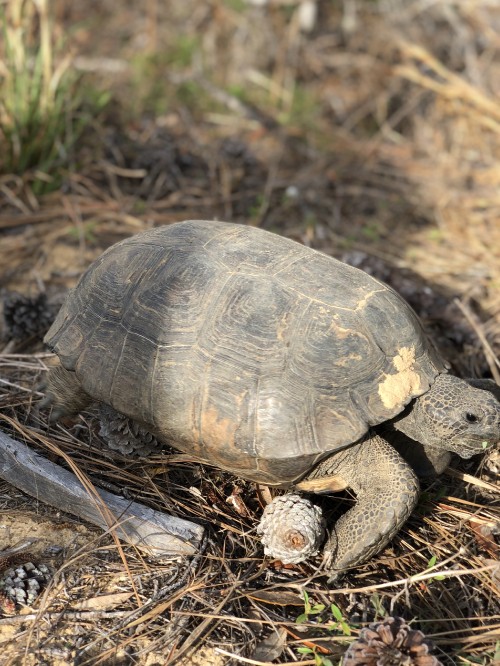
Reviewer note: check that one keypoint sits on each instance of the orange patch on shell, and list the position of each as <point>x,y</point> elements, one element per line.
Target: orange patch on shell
<point>216,431</point>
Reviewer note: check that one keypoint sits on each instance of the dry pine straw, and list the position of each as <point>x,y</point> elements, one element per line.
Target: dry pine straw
<point>222,597</point>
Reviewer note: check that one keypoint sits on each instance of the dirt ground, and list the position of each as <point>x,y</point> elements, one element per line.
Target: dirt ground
<point>368,130</point>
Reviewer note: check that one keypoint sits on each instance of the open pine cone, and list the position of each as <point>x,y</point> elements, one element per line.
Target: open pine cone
<point>125,435</point>
<point>25,317</point>
<point>390,643</point>
<point>292,528</point>
<point>22,585</point>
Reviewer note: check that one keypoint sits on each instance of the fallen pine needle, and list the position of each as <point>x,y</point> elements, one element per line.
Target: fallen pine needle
<point>245,660</point>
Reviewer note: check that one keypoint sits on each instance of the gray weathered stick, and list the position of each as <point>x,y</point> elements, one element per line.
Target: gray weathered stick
<point>151,531</point>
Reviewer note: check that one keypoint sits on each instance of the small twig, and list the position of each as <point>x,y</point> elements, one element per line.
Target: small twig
<point>490,355</point>
<point>68,615</point>
<point>20,388</point>
<point>468,478</point>
<point>18,548</point>
<point>417,579</point>
<point>245,660</point>
<point>14,555</point>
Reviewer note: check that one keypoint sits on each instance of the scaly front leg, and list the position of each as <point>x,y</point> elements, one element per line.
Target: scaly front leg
<point>387,491</point>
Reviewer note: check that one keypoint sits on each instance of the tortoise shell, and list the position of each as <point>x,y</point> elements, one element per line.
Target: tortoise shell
<point>245,349</point>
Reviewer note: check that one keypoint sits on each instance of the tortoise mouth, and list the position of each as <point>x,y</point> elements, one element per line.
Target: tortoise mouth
<point>480,445</point>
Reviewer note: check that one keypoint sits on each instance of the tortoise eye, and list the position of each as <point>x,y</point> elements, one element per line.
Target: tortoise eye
<point>471,418</point>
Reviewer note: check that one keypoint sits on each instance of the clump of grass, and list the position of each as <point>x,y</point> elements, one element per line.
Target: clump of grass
<point>39,100</point>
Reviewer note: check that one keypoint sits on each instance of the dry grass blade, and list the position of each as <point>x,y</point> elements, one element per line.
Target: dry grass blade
<point>442,81</point>
<point>493,361</point>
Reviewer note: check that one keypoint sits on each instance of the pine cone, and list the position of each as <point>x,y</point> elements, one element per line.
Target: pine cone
<point>390,643</point>
<point>22,586</point>
<point>292,529</point>
<point>125,435</point>
<point>25,317</point>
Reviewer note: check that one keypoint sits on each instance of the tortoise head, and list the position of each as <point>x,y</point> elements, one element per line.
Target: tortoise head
<point>456,416</point>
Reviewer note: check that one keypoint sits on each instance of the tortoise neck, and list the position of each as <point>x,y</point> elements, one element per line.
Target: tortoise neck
<point>407,422</point>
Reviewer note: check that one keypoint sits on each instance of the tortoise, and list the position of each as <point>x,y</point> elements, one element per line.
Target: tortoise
<point>273,361</point>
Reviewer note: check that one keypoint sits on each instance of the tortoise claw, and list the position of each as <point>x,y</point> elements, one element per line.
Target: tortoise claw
<point>328,559</point>
<point>333,578</point>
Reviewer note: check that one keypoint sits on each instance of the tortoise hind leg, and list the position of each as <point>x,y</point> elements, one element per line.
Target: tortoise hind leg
<point>63,392</point>
<point>386,490</point>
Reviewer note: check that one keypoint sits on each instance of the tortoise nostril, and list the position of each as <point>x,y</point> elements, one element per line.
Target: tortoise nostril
<point>471,418</point>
